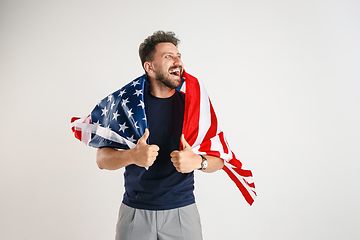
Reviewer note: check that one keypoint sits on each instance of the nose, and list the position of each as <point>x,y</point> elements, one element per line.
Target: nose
<point>177,61</point>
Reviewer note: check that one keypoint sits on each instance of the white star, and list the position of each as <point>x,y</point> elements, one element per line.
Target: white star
<point>123,127</point>
<point>115,115</point>
<point>141,104</point>
<point>122,93</point>
<point>138,92</point>
<point>112,105</point>
<point>135,83</point>
<point>97,123</point>
<point>130,113</point>
<point>104,111</point>
<point>131,139</point>
<point>124,102</point>
<point>109,97</point>
<point>136,125</point>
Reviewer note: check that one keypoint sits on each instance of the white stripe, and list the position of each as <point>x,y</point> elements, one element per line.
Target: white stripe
<point>85,137</point>
<point>105,133</point>
<point>196,150</point>
<point>216,145</point>
<point>183,87</point>
<point>205,116</point>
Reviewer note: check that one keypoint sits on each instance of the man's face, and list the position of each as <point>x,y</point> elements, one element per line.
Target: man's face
<point>167,65</point>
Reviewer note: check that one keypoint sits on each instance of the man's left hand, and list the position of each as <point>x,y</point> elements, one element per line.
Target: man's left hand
<point>186,160</point>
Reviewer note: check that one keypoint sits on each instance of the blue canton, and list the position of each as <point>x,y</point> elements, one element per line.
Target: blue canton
<point>123,112</point>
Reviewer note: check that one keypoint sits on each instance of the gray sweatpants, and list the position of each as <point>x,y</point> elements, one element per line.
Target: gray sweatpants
<point>174,224</point>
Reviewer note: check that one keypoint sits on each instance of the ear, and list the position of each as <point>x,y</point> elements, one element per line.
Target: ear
<point>148,67</point>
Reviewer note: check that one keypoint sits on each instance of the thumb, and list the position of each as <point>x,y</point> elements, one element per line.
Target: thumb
<point>184,142</point>
<point>145,136</point>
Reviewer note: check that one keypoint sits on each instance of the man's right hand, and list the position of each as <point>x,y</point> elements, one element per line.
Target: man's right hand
<point>144,155</point>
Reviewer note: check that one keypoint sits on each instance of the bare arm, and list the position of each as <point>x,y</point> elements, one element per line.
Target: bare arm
<point>214,164</point>
<point>112,159</point>
<point>142,155</point>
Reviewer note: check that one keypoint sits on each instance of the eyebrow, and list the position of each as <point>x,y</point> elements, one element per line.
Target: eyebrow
<point>165,53</point>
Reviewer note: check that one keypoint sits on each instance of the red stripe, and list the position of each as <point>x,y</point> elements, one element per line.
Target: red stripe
<point>192,109</point>
<point>77,133</point>
<point>213,153</point>
<point>238,169</point>
<point>241,187</point>
<point>73,119</point>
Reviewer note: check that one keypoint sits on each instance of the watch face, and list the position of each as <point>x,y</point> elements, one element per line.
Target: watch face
<point>205,164</point>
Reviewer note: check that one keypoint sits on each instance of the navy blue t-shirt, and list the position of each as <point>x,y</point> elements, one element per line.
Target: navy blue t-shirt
<point>161,187</point>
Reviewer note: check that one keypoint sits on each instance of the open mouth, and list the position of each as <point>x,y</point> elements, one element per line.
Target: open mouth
<point>175,72</point>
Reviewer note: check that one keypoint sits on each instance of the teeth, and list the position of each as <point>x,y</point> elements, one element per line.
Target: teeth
<point>175,71</point>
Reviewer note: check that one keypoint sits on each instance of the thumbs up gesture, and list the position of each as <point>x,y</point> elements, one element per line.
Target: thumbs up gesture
<point>143,154</point>
<point>186,160</point>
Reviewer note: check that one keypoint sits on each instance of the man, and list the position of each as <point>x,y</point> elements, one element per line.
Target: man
<point>159,169</point>
<point>164,68</point>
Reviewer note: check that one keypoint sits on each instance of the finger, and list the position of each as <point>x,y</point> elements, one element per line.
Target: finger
<point>155,148</point>
<point>184,142</point>
<point>174,154</point>
<point>175,162</point>
<point>152,156</point>
<point>144,137</point>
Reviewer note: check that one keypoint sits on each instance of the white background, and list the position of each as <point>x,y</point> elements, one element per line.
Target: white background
<point>283,77</point>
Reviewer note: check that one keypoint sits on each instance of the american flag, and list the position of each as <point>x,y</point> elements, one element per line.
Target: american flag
<point>119,120</point>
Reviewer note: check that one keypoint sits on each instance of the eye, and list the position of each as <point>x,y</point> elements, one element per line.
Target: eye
<point>168,56</point>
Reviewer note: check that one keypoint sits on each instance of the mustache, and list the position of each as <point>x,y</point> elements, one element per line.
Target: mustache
<point>174,67</point>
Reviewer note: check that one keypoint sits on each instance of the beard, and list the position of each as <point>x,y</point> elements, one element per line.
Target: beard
<point>166,81</point>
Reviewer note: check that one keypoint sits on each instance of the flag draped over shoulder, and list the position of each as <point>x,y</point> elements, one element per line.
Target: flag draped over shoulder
<point>119,120</point>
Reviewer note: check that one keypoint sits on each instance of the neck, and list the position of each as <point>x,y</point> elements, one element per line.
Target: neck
<point>159,90</point>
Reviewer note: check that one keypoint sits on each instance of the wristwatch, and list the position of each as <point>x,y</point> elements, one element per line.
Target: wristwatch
<point>204,163</point>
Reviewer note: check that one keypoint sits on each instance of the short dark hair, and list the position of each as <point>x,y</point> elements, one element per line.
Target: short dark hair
<point>147,48</point>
